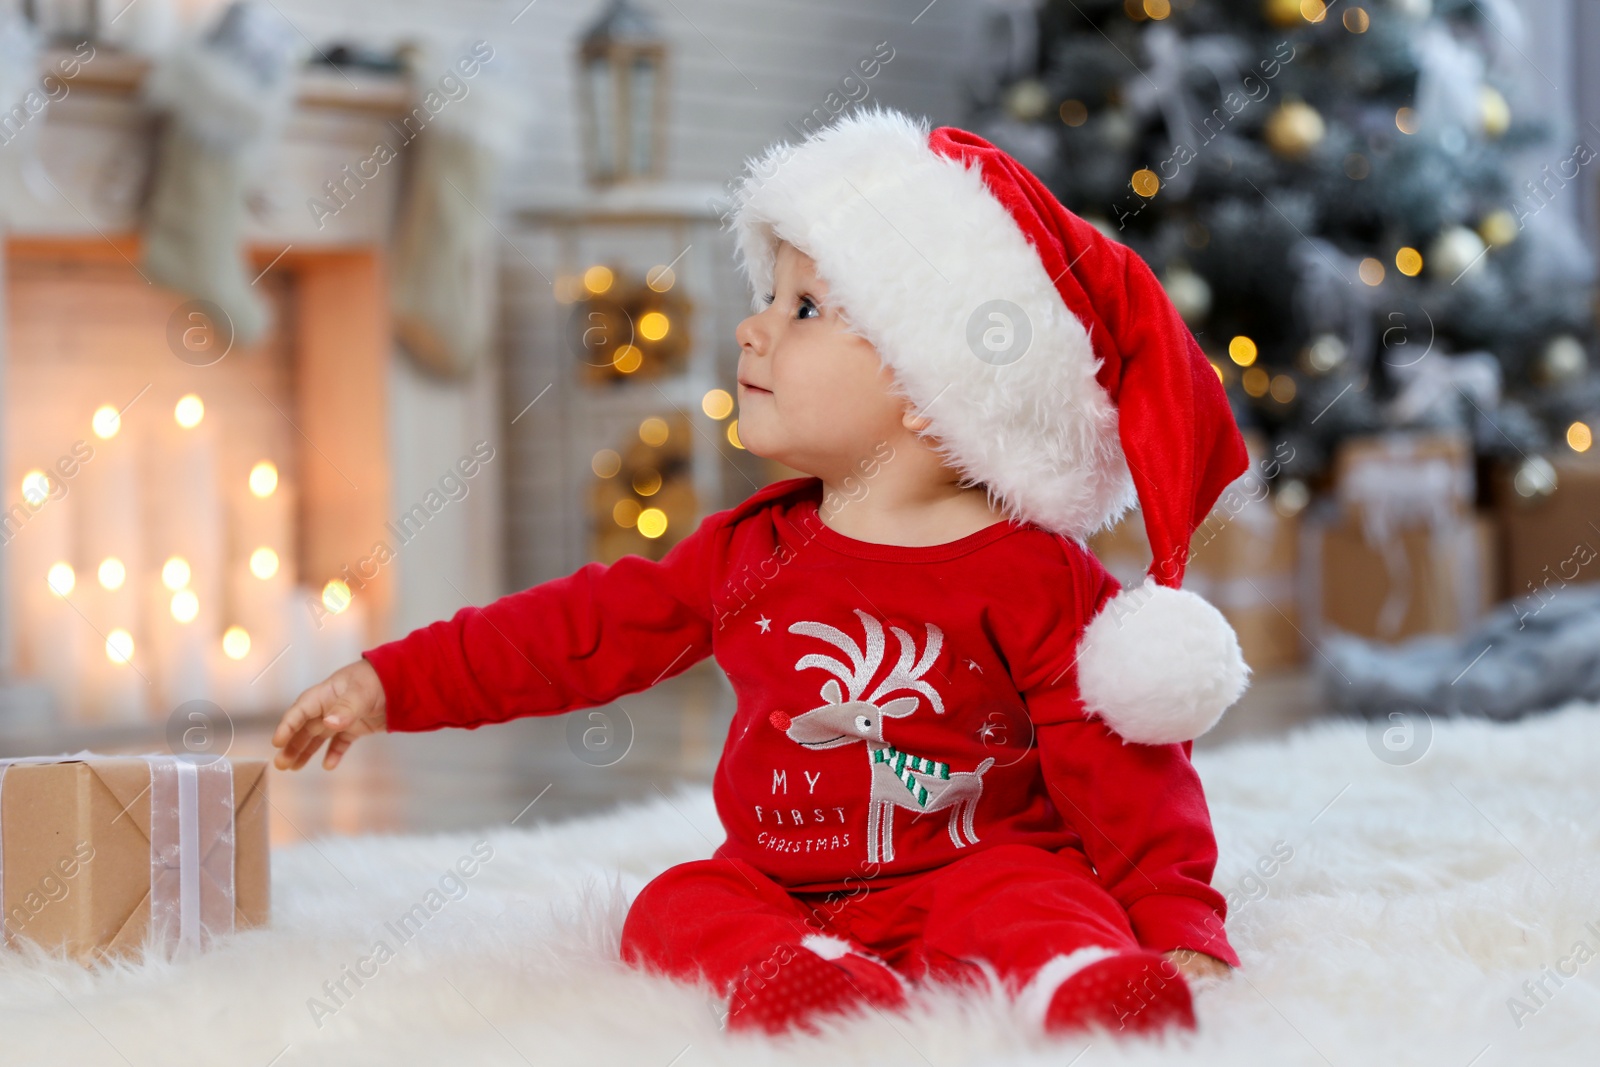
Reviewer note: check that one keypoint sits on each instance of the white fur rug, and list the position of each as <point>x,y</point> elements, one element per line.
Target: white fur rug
<point>1416,903</point>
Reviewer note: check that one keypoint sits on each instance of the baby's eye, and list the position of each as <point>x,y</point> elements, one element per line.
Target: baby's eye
<point>807,302</point>
<point>767,299</point>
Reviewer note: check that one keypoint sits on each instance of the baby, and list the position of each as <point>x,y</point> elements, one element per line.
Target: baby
<point>905,639</point>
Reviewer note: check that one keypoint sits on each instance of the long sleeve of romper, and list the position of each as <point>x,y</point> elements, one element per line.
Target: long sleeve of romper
<point>1140,809</point>
<point>581,641</point>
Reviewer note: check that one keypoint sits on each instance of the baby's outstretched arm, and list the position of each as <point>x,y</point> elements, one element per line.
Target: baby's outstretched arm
<point>574,642</point>
<point>342,707</point>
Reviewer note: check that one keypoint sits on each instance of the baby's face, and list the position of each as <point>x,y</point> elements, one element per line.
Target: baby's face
<point>812,395</point>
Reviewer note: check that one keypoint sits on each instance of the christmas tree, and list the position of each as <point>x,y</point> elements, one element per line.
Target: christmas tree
<point>1331,194</point>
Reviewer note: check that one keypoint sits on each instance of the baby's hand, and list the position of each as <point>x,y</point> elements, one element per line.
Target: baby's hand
<point>347,705</point>
<point>1194,964</point>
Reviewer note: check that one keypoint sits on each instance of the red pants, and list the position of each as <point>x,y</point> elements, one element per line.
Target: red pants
<point>1005,911</point>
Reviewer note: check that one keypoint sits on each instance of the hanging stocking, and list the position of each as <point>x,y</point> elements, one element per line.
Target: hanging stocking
<point>444,254</point>
<point>225,96</point>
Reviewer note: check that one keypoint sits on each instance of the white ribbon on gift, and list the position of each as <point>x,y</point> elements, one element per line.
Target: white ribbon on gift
<point>191,843</point>
<point>1398,489</point>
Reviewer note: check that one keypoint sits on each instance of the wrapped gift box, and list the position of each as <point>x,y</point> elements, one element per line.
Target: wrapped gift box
<point>1405,479</point>
<point>1549,541</point>
<point>108,855</point>
<point>1398,551</point>
<point>1413,580</point>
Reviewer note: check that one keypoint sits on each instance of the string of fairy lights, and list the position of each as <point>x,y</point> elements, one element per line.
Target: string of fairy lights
<point>1295,130</point>
<point>627,327</point>
<point>112,573</point>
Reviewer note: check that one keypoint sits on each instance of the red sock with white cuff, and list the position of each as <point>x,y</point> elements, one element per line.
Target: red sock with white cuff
<point>795,988</point>
<point>1137,991</point>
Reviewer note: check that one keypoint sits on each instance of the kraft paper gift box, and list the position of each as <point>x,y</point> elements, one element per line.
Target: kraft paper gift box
<point>1415,579</point>
<point>1398,551</point>
<point>1549,541</point>
<point>107,855</point>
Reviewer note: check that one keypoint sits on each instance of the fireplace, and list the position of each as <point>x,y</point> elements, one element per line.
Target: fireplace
<point>186,523</point>
<point>181,519</point>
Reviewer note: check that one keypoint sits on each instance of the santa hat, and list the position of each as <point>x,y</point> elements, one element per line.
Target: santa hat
<point>1052,366</point>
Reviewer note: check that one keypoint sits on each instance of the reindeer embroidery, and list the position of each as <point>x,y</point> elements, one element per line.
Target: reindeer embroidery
<point>898,779</point>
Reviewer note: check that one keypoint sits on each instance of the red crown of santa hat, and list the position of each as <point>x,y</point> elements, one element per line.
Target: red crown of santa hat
<point>1050,362</point>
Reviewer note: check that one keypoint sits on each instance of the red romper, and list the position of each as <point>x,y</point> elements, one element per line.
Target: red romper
<point>910,774</point>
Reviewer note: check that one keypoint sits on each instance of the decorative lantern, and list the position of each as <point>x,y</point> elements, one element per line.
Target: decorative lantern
<point>621,88</point>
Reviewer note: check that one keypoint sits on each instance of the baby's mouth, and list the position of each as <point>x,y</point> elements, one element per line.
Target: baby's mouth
<point>755,389</point>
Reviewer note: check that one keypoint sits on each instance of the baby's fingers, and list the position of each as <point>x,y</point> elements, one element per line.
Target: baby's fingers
<point>302,746</point>
<point>307,707</point>
<point>336,750</point>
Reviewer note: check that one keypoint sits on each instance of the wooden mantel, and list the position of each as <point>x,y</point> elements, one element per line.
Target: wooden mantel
<point>83,165</point>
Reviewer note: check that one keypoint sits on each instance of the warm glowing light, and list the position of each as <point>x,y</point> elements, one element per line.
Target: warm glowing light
<point>654,432</point>
<point>236,642</point>
<point>185,605</point>
<point>1157,9</point>
<point>107,421</point>
<point>36,488</point>
<point>606,463</point>
<point>119,646</point>
<point>1145,183</point>
<point>1313,10</point>
<point>263,563</point>
<point>627,358</point>
<point>1282,388</point>
<point>647,481</point>
<point>1499,228</point>
<point>263,478</point>
<point>653,325</point>
<point>625,512</point>
<point>336,596</point>
<point>733,434</point>
<point>1218,368</point>
<point>1256,381</point>
<point>1408,261</point>
<point>718,404</point>
<point>598,279</point>
<point>652,522</point>
<point>1242,350</point>
<point>112,573</point>
<point>190,410</point>
<point>660,278</point>
<point>1356,20</point>
<point>1579,437</point>
<point>1371,271</point>
<point>175,573</point>
<point>1405,120</point>
<point>61,578</point>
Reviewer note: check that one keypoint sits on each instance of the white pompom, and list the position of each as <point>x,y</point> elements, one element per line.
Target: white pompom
<point>1160,665</point>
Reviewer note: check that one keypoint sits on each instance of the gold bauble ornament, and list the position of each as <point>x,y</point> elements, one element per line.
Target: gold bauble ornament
<point>1326,352</point>
<point>1563,360</point>
<point>1189,293</point>
<point>1495,110</point>
<point>1284,13</point>
<point>1454,250</point>
<point>1498,228</point>
<point>1294,129</point>
<point>1028,100</point>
